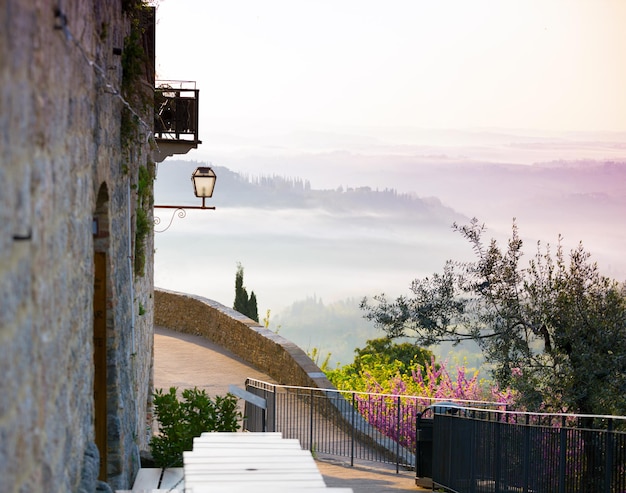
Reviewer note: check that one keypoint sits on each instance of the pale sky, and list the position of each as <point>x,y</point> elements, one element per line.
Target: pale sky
<point>522,64</point>
<point>268,69</point>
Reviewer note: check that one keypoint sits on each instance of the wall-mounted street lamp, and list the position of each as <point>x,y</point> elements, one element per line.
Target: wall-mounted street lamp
<point>203,179</point>
<point>203,184</point>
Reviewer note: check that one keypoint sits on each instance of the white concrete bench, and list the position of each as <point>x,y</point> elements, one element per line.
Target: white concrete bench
<point>243,436</point>
<point>225,461</point>
<point>239,463</point>
<point>251,463</point>
<point>291,443</point>
<point>248,465</point>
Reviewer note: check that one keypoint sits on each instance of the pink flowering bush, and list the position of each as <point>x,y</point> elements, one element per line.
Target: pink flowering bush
<point>392,393</point>
<point>431,380</point>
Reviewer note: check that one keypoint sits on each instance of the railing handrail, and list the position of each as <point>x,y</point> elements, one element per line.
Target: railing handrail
<point>539,414</point>
<point>254,382</point>
<point>432,399</point>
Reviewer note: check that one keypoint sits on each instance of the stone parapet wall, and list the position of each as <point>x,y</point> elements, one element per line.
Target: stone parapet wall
<point>267,351</point>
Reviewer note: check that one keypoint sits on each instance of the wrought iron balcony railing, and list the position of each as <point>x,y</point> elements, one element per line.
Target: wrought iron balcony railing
<point>176,111</point>
<point>175,117</point>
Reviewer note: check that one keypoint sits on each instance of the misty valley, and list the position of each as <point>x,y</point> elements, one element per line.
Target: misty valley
<point>311,255</point>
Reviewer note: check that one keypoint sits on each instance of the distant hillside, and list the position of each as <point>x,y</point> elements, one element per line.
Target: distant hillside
<point>456,184</point>
<point>279,192</point>
<point>338,328</point>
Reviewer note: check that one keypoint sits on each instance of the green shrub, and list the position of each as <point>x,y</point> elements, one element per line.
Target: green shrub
<point>181,420</point>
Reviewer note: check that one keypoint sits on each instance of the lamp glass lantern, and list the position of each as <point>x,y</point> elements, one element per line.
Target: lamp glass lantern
<point>203,179</point>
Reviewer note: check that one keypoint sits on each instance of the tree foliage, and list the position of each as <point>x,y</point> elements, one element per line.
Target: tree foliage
<point>384,351</point>
<point>244,304</point>
<point>554,330</point>
<point>404,369</point>
<point>252,310</point>
<point>378,366</point>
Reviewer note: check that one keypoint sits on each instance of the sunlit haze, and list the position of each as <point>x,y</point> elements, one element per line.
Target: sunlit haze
<point>346,93</point>
<point>527,64</point>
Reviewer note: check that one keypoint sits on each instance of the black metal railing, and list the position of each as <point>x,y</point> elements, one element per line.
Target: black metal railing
<point>176,111</point>
<point>476,451</point>
<point>463,449</point>
<point>324,422</point>
<point>364,426</point>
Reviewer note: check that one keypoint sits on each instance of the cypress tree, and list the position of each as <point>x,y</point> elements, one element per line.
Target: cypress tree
<point>243,304</point>
<point>253,311</point>
<point>241,295</point>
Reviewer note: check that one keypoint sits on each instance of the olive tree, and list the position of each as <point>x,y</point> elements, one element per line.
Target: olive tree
<point>553,328</point>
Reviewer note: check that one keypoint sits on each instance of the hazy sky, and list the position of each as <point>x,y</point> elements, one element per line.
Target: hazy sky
<point>532,64</point>
<point>267,68</point>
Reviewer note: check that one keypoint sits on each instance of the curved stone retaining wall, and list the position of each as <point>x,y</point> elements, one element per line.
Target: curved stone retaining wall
<point>265,350</point>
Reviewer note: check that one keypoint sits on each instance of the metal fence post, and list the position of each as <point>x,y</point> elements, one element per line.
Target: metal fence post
<point>274,408</point>
<point>352,429</point>
<point>418,421</point>
<point>498,439</point>
<point>398,418</point>
<point>311,424</point>
<point>608,454</point>
<point>526,453</point>
<point>264,420</point>
<point>562,456</point>
<point>473,441</point>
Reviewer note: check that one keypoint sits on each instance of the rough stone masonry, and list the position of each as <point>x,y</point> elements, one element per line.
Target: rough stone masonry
<point>67,193</point>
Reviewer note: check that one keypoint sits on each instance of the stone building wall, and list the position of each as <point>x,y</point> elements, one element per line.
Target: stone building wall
<point>62,165</point>
<point>267,351</point>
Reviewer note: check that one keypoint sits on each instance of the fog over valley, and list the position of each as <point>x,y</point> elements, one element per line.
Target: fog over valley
<point>317,230</point>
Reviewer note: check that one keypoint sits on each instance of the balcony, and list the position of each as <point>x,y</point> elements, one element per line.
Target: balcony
<point>175,118</point>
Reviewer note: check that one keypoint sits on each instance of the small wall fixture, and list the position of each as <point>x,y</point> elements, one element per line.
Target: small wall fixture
<point>203,179</point>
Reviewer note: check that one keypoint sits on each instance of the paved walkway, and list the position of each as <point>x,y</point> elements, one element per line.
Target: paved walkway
<point>187,361</point>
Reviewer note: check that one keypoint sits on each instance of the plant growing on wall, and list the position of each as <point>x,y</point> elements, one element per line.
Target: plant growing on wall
<point>137,92</point>
<point>133,68</point>
<point>145,179</point>
<point>181,420</point>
